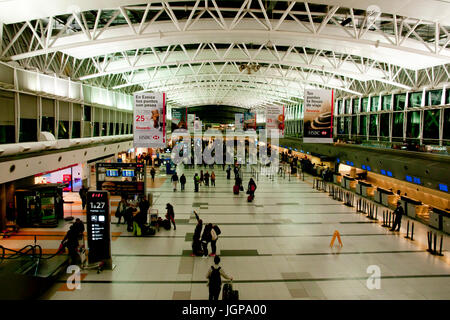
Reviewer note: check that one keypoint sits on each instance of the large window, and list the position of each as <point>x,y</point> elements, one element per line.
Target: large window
<point>384,126</point>
<point>399,101</point>
<point>415,99</point>
<point>386,102</point>
<point>446,133</point>
<point>363,126</point>
<point>97,121</point>
<point>397,126</point>
<point>87,116</point>
<point>7,122</point>
<point>365,104</point>
<point>433,97</point>
<point>431,126</point>
<point>347,106</point>
<point>64,117</point>
<point>105,122</point>
<point>374,103</point>
<point>28,118</point>
<point>77,113</point>
<point>340,107</point>
<point>413,125</point>
<point>447,97</point>
<point>355,106</point>
<point>373,125</point>
<point>354,125</point>
<point>48,115</point>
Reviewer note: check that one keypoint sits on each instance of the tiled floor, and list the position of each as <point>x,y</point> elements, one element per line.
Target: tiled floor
<point>277,247</point>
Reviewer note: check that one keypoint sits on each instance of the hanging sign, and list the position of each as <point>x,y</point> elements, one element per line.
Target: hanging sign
<point>275,119</point>
<point>149,120</point>
<point>318,119</point>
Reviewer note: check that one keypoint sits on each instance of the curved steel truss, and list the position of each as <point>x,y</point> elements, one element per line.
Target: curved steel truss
<point>199,52</point>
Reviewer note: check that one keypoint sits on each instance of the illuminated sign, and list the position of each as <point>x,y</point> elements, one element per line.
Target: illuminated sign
<point>383,172</point>
<point>443,187</point>
<point>409,179</point>
<point>98,226</point>
<point>389,173</point>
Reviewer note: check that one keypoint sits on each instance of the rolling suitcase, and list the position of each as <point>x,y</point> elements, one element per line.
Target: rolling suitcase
<point>249,198</point>
<point>228,294</point>
<point>236,189</point>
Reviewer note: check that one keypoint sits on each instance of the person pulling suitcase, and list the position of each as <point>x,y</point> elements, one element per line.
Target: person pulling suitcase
<point>214,276</point>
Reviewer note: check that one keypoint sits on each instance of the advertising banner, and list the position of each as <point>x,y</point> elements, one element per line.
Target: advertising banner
<point>275,119</point>
<point>149,120</point>
<point>179,118</point>
<point>318,119</point>
<point>250,121</point>
<point>238,121</point>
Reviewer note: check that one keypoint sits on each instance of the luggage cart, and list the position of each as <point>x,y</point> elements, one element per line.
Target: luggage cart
<point>84,263</point>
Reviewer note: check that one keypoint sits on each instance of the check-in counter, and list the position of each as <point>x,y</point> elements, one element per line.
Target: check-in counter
<point>440,219</point>
<point>359,188</point>
<point>410,206</point>
<point>367,190</point>
<point>337,178</point>
<point>383,196</point>
<point>347,182</point>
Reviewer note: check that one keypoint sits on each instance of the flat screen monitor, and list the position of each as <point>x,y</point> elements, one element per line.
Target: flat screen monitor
<point>416,180</point>
<point>368,168</point>
<point>409,179</point>
<point>112,172</point>
<point>443,187</point>
<point>383,172</point>
<point>363,167</point>
<point>127,173</point>
<point>389,173</point>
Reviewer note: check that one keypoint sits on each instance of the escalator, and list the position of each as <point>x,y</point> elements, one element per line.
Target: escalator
<point>27,273</point>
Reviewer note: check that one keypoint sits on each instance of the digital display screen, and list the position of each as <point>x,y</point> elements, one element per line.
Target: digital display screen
<point>363,167</point>
<point>338,160</point>
<point>416,180</point>
<point>348,163</point>
<point>368,168</point>
<point>383,172</point>
<point>112,173</point>
<point>409,179</point>
<point>127,173</point>
<point>389,173</point>
<point>352,164</point>
<point>443,187</point>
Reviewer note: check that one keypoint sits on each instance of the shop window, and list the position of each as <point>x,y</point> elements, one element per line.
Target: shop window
<point>431,126</point>
<point>374,103</point>
<point>76,129</point>
<point>397,126</point>
<point>373,125</point>
<point>386,102</point>
<point>433,97</point>
<point>399,101</point>
<point>7,122</point>
<point>413,125</point>
<point>384,125</point>
<point>365,104</point>
<point>414,99</point>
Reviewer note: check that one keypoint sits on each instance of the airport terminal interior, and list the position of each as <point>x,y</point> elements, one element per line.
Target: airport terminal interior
<point>304,143</point>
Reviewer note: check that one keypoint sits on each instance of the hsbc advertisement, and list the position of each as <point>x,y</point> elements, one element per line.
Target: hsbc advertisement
<point>318,118</point>
<point>275,119</point>
<point>149,120</point>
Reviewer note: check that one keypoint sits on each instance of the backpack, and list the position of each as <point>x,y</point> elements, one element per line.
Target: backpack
<point>216,229</point>
<point>215,280</point>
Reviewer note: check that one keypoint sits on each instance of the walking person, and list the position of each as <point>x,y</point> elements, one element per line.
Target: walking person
<point>83,195</point>
<point>251,188</point>
<point>399,212</point>
<point>182,181</point>
<point>121,209</point>
<point>171,215</point>
<point>174,181</point>
<point>213,179</point>
<point>196,243</point>
<point>201,176</point>
<point>152,173</point>
<point>70,242</point>
<point>196,182</point>
<point>228,172</point>
<point>206,179</point>
<point>206,238</point>
<point>215,231</point>
<point>214,276</point>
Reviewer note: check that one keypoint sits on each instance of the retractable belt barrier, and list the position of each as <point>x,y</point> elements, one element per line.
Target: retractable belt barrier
<point>432,239</point>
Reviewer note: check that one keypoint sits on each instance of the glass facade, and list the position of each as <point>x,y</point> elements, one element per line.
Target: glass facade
<point>433,97</point>
<point>399,101</point>
<point>384,125</point>
<point>374,103</point>
<point>431,126</point>
<point>365,104</point>
<point>7,120</point>
<point>413,125</point>
<point>397,126</point>
<point>386,102</point>
<point>414,99</point>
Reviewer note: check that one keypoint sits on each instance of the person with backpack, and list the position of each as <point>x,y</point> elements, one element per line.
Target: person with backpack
<point>171,215</point>
<point>214,276</point>
<point>175,181</point>
<point>182,181</point>
<point>206,238</point>
<point>251,188</point>
<point>196,182</point>
<point>206,179</point>
<point>213,179</point>
<point>215,232</point>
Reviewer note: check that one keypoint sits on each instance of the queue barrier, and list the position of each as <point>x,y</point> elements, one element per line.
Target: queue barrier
<point>412,231</point>
<point>432,239</point>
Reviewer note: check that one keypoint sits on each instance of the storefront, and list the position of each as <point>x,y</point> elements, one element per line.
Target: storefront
<point>72,176</point>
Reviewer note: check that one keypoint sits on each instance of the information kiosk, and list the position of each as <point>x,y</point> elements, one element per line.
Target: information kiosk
<point>98,227</point>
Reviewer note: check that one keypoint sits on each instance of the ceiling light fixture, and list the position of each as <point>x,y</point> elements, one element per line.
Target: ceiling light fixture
<point>250,67</point>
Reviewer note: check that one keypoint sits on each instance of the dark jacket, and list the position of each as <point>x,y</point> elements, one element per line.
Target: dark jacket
<point>206,236</point>
<point>174,177</point>
<point>183,179</point>
<point>170,211</point>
